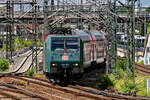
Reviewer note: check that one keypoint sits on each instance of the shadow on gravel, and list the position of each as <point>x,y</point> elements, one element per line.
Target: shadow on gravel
<point>88,78</point>
<point>91,75</point>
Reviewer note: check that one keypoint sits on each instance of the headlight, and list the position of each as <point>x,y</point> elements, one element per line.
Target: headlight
<point>76,64</point>
<point>54,65</point>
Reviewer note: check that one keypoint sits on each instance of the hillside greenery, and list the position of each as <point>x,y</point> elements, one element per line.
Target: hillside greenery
<point>120,82</point>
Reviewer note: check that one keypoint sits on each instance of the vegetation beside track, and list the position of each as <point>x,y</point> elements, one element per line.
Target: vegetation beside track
<point>141,62</point>
<point>30,72</point>
<point>22,43</point>
<point>4,65</point>
<point>148,28</point>
<point>120,82</point>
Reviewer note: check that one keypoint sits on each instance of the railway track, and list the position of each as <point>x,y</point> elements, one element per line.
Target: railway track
<point>143,69</point>
<point>91,75</point>
<point>12,92</point>
<point>47,89</point>
<point>23,67</point>
<point>18,87</point>
<point>18,68</point>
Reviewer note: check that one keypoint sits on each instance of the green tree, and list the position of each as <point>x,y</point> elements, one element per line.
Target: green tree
<point>141,32</point>
<point>148,28</point>
<point>148,9</point>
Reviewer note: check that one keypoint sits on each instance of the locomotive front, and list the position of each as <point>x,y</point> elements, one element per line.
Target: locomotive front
<point>64,56</point>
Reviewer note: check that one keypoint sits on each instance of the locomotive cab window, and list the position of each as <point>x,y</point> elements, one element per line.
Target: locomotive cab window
<point>64,44</point>
<point>57,44</point>
<point>72,44</point>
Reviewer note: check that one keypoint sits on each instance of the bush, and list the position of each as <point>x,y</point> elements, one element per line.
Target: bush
<point>26,43</point>
<point>141,62</point>
<point>4,65</point>
<point>16,44</point>
<point>104,82</point>
<point>40,43</point>
<point>129,87</point>
<point>30,72</point>
<point>122,64</point>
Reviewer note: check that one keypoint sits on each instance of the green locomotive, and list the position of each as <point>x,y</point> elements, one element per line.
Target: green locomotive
<point>68,52</point>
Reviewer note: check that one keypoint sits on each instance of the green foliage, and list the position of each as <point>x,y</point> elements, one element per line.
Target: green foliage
<point>129,87</point>
<point>123,84</point>
<point>148,28</point>
<point>148,9</point>
<point>30,72</point>
<point>21,43</point>
<point>104,82</point>
<point>26,43</point>
<point>16,43</point>
<point>4,65</point>
<point>122,64</point>
<point>143,88</point>
<point>141,32</point>
<point>40,43</point>
<point>141,62</point>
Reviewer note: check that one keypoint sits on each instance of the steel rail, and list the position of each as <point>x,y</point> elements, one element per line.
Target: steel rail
<point>75,92</point>
<point>17,71</point>
<point>13,89</point>
<point>143,69</point>
<point>110,94</point>
<point>18,68</point>
<point>79,90</point>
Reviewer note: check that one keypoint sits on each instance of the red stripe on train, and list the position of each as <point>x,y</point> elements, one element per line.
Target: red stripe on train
<point>47,36</point>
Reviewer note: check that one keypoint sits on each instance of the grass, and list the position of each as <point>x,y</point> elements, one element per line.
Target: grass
<point>141,62</point>
<point>30,72</point>
<point>122,84</point>
<point>140,85</point>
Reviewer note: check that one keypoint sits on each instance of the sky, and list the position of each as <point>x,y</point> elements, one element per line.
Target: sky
<point>143,2</point>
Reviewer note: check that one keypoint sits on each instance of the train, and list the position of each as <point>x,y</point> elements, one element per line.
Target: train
<point>122,39</point>
<point>68,52</point>
<point>147,52</point>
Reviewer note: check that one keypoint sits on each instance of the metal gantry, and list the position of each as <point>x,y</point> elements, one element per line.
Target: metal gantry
<point>95,14</point>
<point>46,13</point>
<point>8,34</point>
<point>13,17</point>
<point>34,35</point>
<point>131,37</point>
<point>111,37</point>
<point>82,14</point>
